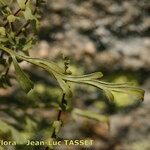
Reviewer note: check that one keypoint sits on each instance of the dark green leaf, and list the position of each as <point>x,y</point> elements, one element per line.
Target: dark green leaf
<point>39,2</point>
<point>2,61</point>
<point>15,135</point>
<point>4,81</point>
<point>109,95</point>
<point>23,79</point>
<point>91,79</point>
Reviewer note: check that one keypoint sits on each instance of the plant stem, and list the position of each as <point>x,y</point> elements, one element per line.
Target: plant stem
<point>59,114</point>
<point>5,25</point>
<point>58,119</point>
<point>16,13</point>
<point>24,26</point>
<point>27,23</point>
<point>60,111</point>
<point>63,101</point>
<point>7,70</point>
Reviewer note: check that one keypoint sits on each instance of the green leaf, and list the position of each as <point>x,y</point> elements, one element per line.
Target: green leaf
<point>45,64</point>
<point>3,37</point>
<point>137,93</point>
<point>22,4</point>
<point>4,126</point>
<point>2,31</point>
<point>23,79</point>
<point>91,79</point>
<point>89,114</point>
<point>91,76</point>
<point>28,14</point>
<point>133,92</point>
<point>109,95</point>
<point>57,125</point>
<point>28,45</point>
<point>15,135</point>
<point>64,86</point>
<point>11,37</point>
<point>30,124</point>
<point>11,18</point>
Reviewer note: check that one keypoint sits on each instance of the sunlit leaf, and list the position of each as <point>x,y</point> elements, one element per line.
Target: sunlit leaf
<point>28,14</point>
<point>124,88</point>
<point>2,31</point>
<point>22,4</point>
<point>90,79</point>
<point>3,37</point>
<point>4,126</point>
<point>11,18</point>
<point>15,135</point>
<point>30,124</point>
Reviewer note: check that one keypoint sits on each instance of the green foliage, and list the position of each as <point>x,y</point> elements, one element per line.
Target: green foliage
<point>22,4</point>
<point>91,79</point>
<point>13,133</point>
<point>23,79</point>
<point>56,126</point>
<point>11,18</point>
<point>14,45</point>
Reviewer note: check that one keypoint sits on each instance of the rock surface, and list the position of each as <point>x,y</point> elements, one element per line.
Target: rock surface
<point>111,35</point>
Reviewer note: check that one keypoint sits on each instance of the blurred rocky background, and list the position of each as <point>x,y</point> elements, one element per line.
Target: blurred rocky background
<point>111,36</point>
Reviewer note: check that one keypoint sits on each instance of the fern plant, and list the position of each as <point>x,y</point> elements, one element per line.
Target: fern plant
<point>16,40</point>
